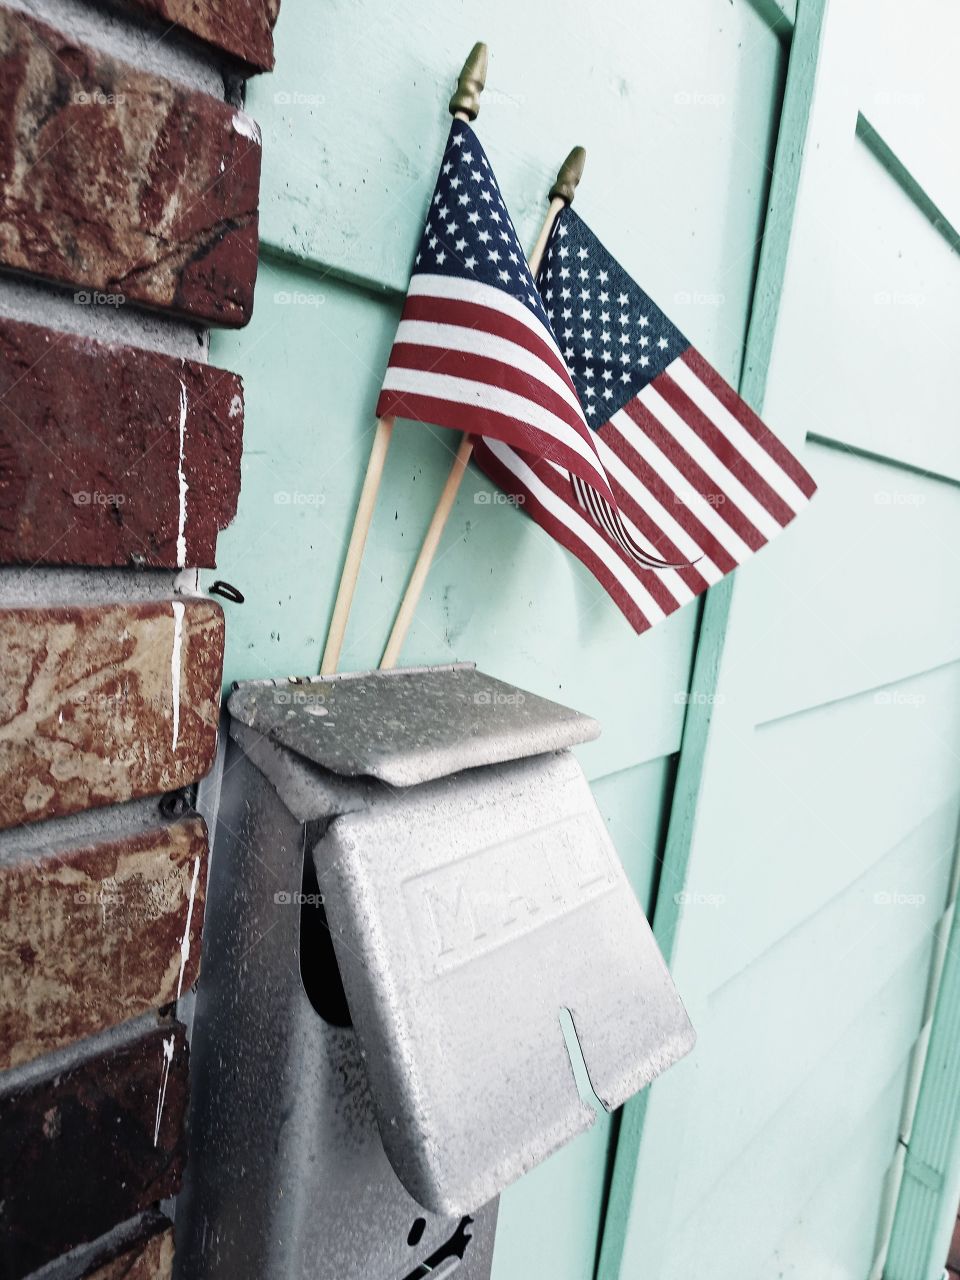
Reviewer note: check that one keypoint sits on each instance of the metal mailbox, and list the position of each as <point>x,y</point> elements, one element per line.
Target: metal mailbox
<point>410,882</point>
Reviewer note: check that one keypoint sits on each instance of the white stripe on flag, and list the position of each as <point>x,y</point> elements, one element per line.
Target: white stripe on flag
<point>580,526</point>
<point>456,289</point>
<point>738,435</point>
<point>670,578</point>
<point>685,542</point>
<point>478,342</point>
<point>641,443</point>
<point>724,480</point>
<point>483,395</point>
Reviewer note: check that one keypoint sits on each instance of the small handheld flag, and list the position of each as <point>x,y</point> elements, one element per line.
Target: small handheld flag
<point>699,481</point>
<point>474,350</point>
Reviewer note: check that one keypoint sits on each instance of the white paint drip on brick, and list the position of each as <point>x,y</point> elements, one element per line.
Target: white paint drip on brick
<point>182,523</point>
<point>175,660</point>
<point>185,942</point>
<point>245,126</point>
<point>167,1063</point>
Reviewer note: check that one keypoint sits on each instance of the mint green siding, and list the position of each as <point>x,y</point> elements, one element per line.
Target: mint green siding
<point>816,765</point>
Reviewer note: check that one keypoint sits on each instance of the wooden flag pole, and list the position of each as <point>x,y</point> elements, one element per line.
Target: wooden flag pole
<point>464,105</point>
<point>561,194</point>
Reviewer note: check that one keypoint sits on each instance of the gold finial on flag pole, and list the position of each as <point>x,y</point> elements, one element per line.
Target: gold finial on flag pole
<point>561,194</point>
<point>464,105</point>
<point>465,102</point>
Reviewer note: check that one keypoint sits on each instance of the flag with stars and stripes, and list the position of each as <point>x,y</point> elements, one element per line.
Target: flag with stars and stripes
<point>699,480</point>
<point>474,350</point>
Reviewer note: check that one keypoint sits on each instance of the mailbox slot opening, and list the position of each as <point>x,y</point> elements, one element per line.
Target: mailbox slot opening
<point>319,970</point>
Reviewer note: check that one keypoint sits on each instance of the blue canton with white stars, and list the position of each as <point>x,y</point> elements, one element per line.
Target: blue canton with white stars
<point>613,337</point>
<point>469,232</point>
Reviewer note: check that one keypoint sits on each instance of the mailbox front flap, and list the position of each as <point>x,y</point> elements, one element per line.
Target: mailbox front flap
<point>409,726</point>
<point>466,914</point>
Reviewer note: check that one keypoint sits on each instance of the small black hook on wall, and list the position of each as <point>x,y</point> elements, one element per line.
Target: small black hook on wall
<point>227,590</point>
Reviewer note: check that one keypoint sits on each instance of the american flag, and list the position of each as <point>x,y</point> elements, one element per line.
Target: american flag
<point>698,479</point>
<point>474,350</point>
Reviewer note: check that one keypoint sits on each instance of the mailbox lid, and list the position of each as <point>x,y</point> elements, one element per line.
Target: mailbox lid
<point>466,914</point>
<point>407,726</point>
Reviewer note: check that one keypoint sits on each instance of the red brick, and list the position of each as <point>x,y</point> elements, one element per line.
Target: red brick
<point>87,709</point>
<point>87,1147</point>
<point>90,464</point>
<point>93,935</point>
<point>241,28</point>
<point>121,183</point>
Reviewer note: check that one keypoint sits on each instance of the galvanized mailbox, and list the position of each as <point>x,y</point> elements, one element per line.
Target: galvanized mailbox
<point>410,882</point>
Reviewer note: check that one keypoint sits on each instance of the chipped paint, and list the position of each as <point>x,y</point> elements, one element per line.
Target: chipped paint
<point>182,481</point>
<point>167,1063</point>
<point>176,660</point>
<point>185,941</point>
<point>246,126</point>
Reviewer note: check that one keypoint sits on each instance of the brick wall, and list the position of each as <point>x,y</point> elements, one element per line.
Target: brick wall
<point>129,183</point>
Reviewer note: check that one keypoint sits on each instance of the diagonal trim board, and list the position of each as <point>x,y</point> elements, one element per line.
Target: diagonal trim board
<point>794,117</point>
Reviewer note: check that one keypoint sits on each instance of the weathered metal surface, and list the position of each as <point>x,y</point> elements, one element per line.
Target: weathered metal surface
<point>416,1062</point>
<point>152,1261</point>
<point>406,727</point>
<point>95,934</point>
<point>99,704</point>
<point>287,1175</point>
<point>466,914</point>
<point>242,28</point>
<point>89,1145</point>
<point>110,455</point>
<point>121,183</point>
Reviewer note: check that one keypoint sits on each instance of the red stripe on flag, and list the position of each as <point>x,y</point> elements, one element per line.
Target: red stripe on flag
<point>749,421</point>
<point>649,580</point>
<point>723,448</point>
<point>562,533</point>
<point>655,431</point>
<point>681,511</point>
<point>473,315</point>
<point>487,371</point>
<point>479,420</point>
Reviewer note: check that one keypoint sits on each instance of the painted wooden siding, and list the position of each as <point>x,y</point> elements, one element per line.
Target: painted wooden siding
<point>678,108</point>
<point>822,827</point>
